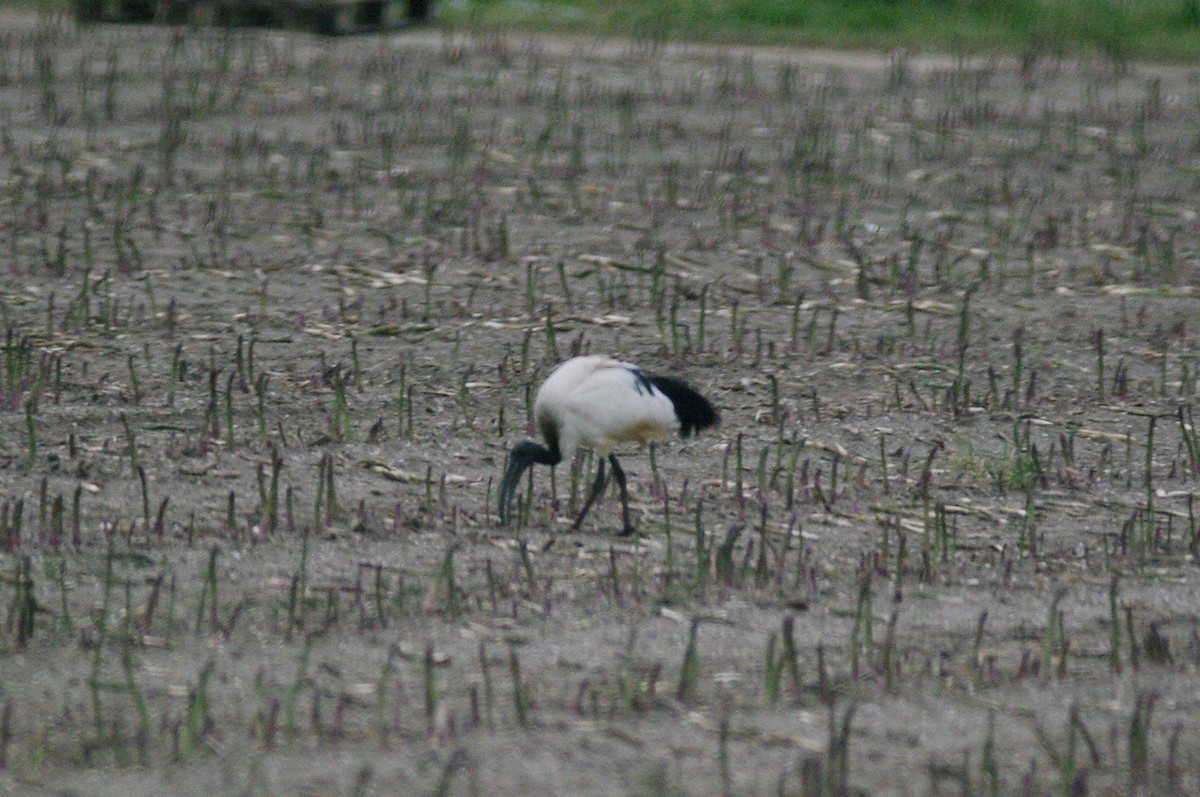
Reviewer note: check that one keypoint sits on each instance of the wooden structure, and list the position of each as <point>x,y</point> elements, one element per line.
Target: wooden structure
<point>329,17</point>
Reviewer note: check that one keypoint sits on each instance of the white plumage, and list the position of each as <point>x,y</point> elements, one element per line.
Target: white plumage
<point>599,403</point>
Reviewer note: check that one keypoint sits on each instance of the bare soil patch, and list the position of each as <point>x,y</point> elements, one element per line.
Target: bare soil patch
<point>274,310</point>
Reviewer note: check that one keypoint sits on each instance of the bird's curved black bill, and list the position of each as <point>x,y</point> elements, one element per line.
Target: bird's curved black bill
<point>523,455</point>
<point>518,462</point>
<point>512,475</point>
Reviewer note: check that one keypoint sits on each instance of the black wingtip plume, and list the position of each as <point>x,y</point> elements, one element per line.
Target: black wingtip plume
<point>694,411</point>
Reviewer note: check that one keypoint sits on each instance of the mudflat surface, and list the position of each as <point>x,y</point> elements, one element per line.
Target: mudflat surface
<point>275,308</point>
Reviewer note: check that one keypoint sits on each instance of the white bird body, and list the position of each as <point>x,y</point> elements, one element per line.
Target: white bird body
<point>599,403</point>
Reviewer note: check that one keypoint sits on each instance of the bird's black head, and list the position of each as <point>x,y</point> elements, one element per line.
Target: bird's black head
<point>523,455</point>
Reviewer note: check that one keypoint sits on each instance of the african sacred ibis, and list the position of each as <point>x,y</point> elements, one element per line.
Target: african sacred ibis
<point>599,403</point>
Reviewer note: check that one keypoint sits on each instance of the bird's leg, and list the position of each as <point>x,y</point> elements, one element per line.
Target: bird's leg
<point>597,487</point>
<point>619,475</point>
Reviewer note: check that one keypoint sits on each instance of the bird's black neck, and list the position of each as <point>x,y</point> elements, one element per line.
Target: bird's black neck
<point>532,453</point>
<point>551,453</point>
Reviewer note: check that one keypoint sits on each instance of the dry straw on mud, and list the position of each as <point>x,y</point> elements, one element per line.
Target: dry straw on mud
<point>276,308</point>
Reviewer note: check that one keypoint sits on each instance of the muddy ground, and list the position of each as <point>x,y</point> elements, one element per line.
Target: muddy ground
<point>274,307</point>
